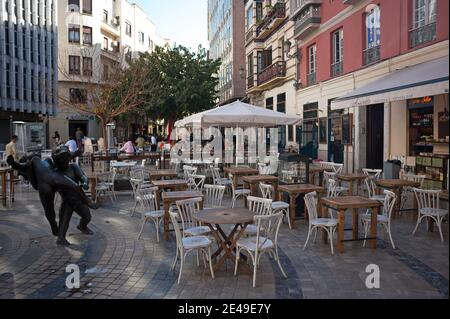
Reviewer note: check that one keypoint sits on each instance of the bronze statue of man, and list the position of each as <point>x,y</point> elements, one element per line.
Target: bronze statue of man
<point>58,175</point>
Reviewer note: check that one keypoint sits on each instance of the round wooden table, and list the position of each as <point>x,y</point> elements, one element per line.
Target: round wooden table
<point>239,217</point>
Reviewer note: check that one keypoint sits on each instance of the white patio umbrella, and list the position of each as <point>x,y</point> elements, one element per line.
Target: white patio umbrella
<point>239,114</point>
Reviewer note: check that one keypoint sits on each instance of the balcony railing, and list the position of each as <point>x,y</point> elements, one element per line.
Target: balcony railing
<point>336,69</point>
<point>297,6</point>
<point>250,82</point>
<point>310,20</point>
<point>371,55</point>
<point>277,12</point>
<point>273,71</point>
<point>249,35</point>
<point>311,78</point>
<point>422,35</point>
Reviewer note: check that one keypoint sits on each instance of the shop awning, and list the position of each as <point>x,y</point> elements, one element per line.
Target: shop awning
<point>425,79</point>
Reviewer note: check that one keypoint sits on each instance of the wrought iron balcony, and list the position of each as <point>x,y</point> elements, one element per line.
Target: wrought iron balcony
<point>336,69</point>
<point>422,35</point>
<point>273,19</point>
<point>311,78</point>
<point>250,81</point>
<point>249,36</point>
<point>371,55</point>
<point>307,22</point>
<point>274,71</point>
<point>297,6</point>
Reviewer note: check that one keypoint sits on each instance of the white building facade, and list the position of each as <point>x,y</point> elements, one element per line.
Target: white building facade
<point>93,35</point>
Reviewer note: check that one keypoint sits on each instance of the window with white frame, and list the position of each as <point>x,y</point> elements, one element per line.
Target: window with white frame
<point>373,27</point>
<point>249,22</point>
<point>424,12</point>
<point>312,50</point>
<point>338,46</point>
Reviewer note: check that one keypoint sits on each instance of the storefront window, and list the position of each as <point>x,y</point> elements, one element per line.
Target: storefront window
<point>420,125</point>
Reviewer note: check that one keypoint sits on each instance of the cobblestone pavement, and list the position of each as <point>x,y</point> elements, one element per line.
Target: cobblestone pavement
<point>114,264</point>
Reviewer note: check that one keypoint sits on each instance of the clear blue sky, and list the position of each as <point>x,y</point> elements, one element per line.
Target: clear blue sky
<point>182,21</point>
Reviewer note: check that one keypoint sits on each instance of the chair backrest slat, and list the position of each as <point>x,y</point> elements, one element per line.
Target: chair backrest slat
<point>187,209</point>
<point>268,227</point>
<point>427,198</point>
<point>266,190</point>
<point>214,195</point>
<point>259,206</point>
<point>311,205</point>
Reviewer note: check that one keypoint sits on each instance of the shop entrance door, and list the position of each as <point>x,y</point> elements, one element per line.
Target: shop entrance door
<point>73,125</point>
<point>375,136</point>
<point>309,139</point>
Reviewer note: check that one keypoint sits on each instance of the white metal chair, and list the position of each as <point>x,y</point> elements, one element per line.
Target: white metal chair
<point>384,219</point>
<point>328,224</point>
<point>104,181</point>
<point>187,209</point>
<point>340,190</point>
<point>242,192</point>
<point>186,244</point>
<point>428,207</point>
<point>259,206</point>
<point>147,199</point>
<point>266,240</point>
<point>375,173</point>
<point>219,180</point>
<point>277,206</point>
<point>371,188</point>
<point>213,195</point>
<point>331,192</point>
<point>409,190</point>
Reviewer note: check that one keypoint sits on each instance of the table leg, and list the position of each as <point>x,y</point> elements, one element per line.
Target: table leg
<point>93,189</point>
<point>4,190</point>
<point>341,224</point>
<point>275,189</point>
<point>166,221</point>
<point>355,223</point>
<point>253,189</point>
<point>397,202</point>
<point>292,209</point>
<point>320,178</point>
<point>11,185</point>
<point>373,228</point>
<point>350,188</point>
<point>158,198</point>
<point>322,211</point>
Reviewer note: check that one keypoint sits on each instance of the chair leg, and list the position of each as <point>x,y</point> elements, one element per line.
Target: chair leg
<point>438,223</point>
<point>210,262</point>
<point>388,228</point>
<point>238,253</point>
<point>175,261</point>
<point>330,235</point>
<point>307,238</point>
<point>255,267</point>
<point>157,229</point>
<point>279,263</point>
<point>181,266</point>
<point>142,227</point>
<point>315,235</point>
<point>419,219</point>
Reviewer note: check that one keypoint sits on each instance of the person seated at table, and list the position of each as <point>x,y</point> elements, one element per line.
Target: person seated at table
<point>128,147</point>
<point>140,142</point>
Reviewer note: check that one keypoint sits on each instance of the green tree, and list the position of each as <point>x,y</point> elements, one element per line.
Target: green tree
<point>186,83</point>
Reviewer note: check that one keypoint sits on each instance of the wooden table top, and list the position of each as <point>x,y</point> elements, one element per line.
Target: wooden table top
<point>174,196</point>
<point>241,170</point>
<point>396,183</point>
<point>352,176</point>
<point>218,216</point>
<point>349,202</point>
<point>169,183</point>
<point>259,178</point>
<point>300,188</point>
<point>163,173</point>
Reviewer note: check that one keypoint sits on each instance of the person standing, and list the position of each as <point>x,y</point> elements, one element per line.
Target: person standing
<point>79,137</point>
<point>57,138</point>
<point>72,144</point>
<point>153,143</point>
<point>10,149</point>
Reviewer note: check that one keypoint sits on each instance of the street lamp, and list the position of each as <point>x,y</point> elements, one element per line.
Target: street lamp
<point>287,48</point>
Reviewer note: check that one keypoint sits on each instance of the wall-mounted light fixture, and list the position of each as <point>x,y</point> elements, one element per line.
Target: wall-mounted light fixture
<point>287,49</point>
